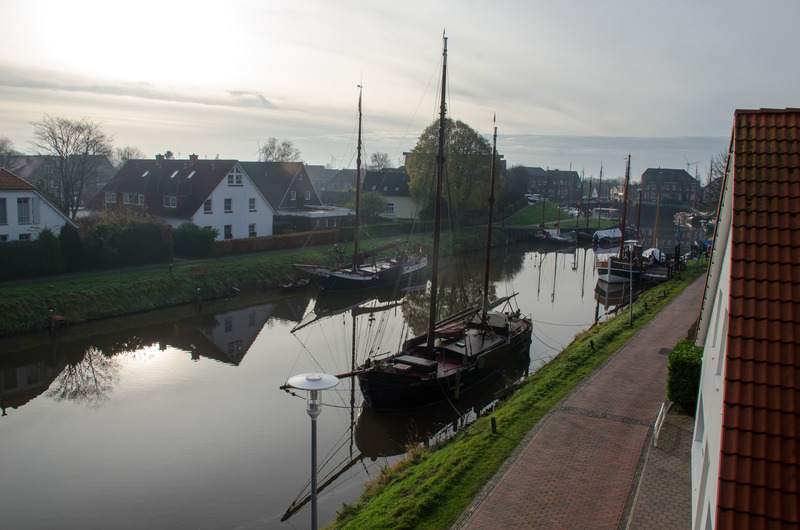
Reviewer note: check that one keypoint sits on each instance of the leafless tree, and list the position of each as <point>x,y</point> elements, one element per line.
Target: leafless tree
<point>8,154</point>
<point>88,381</point>
<point>73,149</point>
<point>129,152</point>
<point>378,161</point>
<point>278,151</point>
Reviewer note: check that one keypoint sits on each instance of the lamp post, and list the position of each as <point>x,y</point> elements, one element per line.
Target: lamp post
<point>313,383</point>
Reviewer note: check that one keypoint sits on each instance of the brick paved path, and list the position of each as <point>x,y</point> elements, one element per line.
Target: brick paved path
<point>581,466</point>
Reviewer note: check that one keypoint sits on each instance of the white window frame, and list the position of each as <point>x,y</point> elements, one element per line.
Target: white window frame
<point>251,204</point>
<point>251,230</point>
<point>207,206</point>
<point>111,197</point>
<point>227,205</point>
<point>24,206</point>
<point>235,176</point>
<point>292,195</point>
<point>308,195</point>
<point>3,211</point>
<point>227,231</point>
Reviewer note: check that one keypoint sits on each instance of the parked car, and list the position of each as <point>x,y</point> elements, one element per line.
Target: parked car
<point>533,198</point>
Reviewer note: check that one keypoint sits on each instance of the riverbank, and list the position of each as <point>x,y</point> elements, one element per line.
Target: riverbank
<point>432,488</point>
<point>25,306</point>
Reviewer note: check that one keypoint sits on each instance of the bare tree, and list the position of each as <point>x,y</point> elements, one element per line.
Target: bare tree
<point>73,149</point>
<point>277,151</point>
<point>713,183</point>
<point>378,161</point>
<point>8,154</point>
<point>129,152</point>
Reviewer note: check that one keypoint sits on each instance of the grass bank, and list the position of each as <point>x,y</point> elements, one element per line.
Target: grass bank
<point>24,306</point>
<point>432,488</point>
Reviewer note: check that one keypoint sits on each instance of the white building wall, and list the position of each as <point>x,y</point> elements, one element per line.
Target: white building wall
<point>42,214</point>
<point>708,421</point>
<point>404,208</point>
<point>240,216</point>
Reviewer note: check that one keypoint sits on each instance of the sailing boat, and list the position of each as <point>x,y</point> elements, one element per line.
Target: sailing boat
<point>459,352</point>
<point>617,268</point>
<point>365,270</point>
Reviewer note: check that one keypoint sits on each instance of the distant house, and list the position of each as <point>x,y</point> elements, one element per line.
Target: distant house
<point>24,211</point>
<point>671,184</point>
<point>291,192</point>
<point>209,193</point>
<point>746,444</point>
<point>39,171</point>
<point>553,184</point>
<point>393,186</point>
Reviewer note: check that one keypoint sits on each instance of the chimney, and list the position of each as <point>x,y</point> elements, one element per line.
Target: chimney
<point>159,160</point>
<point>192,159</point>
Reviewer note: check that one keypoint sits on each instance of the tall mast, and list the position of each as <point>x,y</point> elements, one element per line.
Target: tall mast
<point>600,194</point>
<point>489,231</point>
<point>356,260</point>
<point>438,204</point>
<point>625,204</point>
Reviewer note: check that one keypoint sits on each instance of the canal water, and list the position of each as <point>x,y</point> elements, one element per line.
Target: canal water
<point>176,419</point>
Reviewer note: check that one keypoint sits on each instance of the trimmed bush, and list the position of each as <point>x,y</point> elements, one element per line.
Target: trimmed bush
<point>683,375</point>
<point>192,241</point>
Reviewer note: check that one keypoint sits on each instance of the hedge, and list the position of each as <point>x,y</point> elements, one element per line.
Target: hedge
<point>683,375</point>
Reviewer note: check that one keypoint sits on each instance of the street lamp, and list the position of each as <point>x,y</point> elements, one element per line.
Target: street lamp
<point>313,383</point>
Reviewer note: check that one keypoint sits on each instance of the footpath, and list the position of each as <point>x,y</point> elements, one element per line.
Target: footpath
<point>591,461</point>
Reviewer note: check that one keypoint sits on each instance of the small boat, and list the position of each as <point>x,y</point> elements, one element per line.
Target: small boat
<point>627,264</point>
<point>459,352</point>
<point>366,270</point>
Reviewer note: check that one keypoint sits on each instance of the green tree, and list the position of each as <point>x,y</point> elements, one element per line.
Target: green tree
<point>467,167</point>
<point>372,204</point>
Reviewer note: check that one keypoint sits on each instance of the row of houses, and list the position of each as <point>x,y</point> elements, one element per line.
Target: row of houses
<point>242,199</point>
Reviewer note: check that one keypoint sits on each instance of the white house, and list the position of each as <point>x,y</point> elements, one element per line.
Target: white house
<point>393,186</point>
<point>746,444</point>
<point>209,193</point>
<point>24,212</point>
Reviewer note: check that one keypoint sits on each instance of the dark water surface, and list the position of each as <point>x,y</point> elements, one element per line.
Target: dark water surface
<point>175,419</point>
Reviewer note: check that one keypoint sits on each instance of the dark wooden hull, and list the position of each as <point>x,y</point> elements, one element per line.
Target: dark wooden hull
<point>390,390</point>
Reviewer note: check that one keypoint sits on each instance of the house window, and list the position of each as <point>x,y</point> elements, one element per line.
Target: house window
<point>3,215</point>
<point>126,198</point>
<point>389,208</point>
<point>228,205</point>
<point>141,199</point>
<point>111,197</point>
<point>293,195</point>
<point>251,230</point>
<point>207,206</point>
<point>251,204</point>
<point>228,230</point>
<point>170,202</point>
<point>333,223</point>
<point>24,237</point>
<point>24,211</point>
<point>308,195</point>
<point>3,238</point>
<point>235,177</point>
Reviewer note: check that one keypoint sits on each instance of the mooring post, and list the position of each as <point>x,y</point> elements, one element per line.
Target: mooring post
<point>494,425</point>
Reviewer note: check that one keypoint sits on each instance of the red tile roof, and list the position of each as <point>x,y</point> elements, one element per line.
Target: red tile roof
<point>9,181</point>
<point>760,451</point>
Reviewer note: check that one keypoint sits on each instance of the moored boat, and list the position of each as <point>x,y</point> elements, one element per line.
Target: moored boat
<point>459,352</point>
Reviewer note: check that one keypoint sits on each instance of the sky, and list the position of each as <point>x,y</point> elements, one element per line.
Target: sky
<point>574,84</point>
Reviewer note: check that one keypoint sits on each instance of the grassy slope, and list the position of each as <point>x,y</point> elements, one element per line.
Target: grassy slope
<point>431,489</point>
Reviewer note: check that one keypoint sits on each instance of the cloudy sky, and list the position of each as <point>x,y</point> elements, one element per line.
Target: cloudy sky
<point>574,83</point>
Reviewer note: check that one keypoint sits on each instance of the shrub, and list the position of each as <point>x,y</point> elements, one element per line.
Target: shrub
<point>71,247</point>
<point>192,241</point>
<point>683,375</point>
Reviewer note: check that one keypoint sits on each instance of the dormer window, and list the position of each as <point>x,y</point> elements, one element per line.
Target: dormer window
<point>293,195</point>
<point>308,195</point>
<point>235,177</point>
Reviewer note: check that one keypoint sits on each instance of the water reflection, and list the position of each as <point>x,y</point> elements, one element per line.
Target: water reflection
<point>182,410</point>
